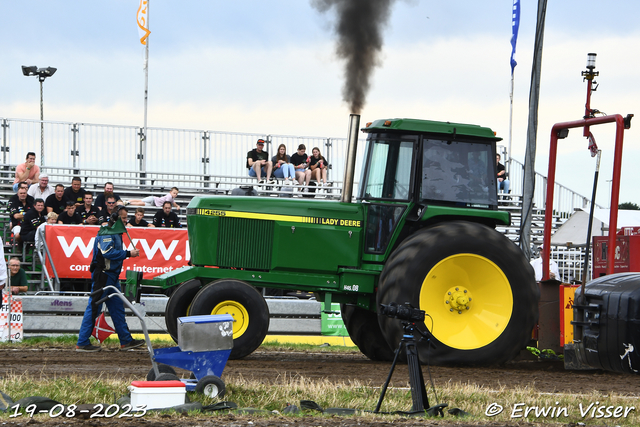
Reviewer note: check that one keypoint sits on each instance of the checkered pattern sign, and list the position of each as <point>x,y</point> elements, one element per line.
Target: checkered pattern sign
<point>15,317</point>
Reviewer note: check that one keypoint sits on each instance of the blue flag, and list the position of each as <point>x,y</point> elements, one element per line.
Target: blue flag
<point>515,24</point>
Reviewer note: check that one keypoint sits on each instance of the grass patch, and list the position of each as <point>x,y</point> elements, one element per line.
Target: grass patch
<point>277,346</point>
<point>69,341</point>
<point>544,408</point>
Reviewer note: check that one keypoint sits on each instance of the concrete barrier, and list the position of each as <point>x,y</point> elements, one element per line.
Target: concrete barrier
<point>60,314</point>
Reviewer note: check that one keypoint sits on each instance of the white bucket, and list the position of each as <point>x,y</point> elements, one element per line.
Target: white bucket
<point>157,394</point>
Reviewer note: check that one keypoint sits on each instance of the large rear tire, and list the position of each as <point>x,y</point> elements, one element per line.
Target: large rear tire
<point>365,332</point>
<point>242,301</point>
<point>178,305</point>
<point>476,287</point>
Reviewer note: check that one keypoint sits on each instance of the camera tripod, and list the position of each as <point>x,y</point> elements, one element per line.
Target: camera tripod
<point>416,380</point>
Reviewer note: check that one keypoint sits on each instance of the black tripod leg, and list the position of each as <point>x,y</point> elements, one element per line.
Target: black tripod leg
<point>386,384</point>
<point>416,379</point>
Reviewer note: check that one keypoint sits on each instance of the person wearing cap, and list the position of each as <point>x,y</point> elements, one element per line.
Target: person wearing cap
<point>106,265</point>
<point>70,216</point>
<point>258,163</point>
<point>42,190</point>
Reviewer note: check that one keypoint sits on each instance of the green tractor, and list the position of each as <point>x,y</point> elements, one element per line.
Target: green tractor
<point>421,231</point>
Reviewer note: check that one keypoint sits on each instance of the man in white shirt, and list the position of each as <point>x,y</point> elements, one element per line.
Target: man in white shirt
<point>554,272</point>
<point>42,190</point>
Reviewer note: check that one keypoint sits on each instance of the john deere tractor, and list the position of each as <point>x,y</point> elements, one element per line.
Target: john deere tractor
<point>419,231</point>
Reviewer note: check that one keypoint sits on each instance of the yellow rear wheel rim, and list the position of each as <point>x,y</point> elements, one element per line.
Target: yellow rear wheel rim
<point>483,301</point>
<point>239,314</point>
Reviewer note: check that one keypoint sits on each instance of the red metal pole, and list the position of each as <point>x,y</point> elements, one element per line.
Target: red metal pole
<point>615,185</point>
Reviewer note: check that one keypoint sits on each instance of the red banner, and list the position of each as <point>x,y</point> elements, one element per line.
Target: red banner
<point>161,249</point>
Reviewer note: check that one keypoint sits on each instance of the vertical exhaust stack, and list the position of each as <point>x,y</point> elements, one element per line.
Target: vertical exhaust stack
<point>350,167</point>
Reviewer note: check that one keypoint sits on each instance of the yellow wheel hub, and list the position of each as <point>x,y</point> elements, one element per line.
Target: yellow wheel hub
<point>458,299</point>
<point>477,303</point>
<point>239,314</point>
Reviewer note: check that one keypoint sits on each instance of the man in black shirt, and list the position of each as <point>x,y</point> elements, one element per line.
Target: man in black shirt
<point>56,202</point>
<point>32,220</point>
<point>75,193</point>
<point>103,219</point>
<point>138,219</point>
<point>258,163</point>
<point>70,216</point>
<point>17,209</point>
<point>101,199</point>
<point>503,182</point>
<point>88,212</point>
<point>166,218</point>
<point>24,185</point>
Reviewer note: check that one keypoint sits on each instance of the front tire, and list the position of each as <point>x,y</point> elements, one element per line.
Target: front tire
<point>365,332</point>
<point>476,287</point>
<point>178,305</point>
<point>244,303</point>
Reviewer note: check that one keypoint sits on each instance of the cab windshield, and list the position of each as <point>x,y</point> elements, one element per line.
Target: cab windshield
<point>388,169</point>
<point>462,173</point>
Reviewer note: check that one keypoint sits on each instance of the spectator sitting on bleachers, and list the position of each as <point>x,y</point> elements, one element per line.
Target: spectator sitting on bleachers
<point>56,202</point>
<point>138,219</point>
<point>166,218</point>
<point>101,199</point>
<point>17,277</point>
<point>283,167</point>
<point>17,209</point>
<point>32,220</point>
<point>42,190</point>
<point>27,171</point>
<point>70,216</point>
<point>88,212</point>
<point>258,163</point>
<point>75,193</point>
<point>14,198</point>
<point>156,201</point>
<point>110,201</point>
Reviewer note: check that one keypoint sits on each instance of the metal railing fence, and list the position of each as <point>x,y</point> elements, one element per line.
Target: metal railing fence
<point>565,200</point>
<point>196,156</point>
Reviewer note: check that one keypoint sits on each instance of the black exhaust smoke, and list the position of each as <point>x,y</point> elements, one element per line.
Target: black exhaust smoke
<point>359,29</point>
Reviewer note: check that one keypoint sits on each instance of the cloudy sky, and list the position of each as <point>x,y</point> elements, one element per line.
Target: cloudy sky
<point>270,67</point>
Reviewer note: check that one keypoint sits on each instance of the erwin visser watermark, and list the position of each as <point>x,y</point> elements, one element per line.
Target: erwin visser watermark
<point>583,410</point>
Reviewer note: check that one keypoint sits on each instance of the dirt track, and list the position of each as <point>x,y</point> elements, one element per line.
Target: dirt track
<point>272,367</point>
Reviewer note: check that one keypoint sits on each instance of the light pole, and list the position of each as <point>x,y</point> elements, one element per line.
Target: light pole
<point>42,74</point>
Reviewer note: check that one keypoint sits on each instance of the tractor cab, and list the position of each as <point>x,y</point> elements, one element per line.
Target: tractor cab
<point>410,165</point>
<point>431,162</point>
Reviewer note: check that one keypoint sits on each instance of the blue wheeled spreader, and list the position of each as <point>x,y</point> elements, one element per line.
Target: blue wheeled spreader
<point>204,345</point>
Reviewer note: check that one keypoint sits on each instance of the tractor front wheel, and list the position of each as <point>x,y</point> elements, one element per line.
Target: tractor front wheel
<point>244,303</point>
<point>476,287</point>
<point>178,305</point>
<point>365,332</point>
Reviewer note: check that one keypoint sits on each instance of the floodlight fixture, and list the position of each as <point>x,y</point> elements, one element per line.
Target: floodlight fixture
<point>42,74</point>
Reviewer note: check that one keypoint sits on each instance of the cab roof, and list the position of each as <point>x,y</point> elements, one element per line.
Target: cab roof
<point>430,126</point>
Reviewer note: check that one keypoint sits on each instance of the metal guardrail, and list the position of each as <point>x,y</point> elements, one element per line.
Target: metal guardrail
<point>54,314</point>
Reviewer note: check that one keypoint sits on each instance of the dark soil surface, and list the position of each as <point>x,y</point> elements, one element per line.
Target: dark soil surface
<point>272,366</point>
